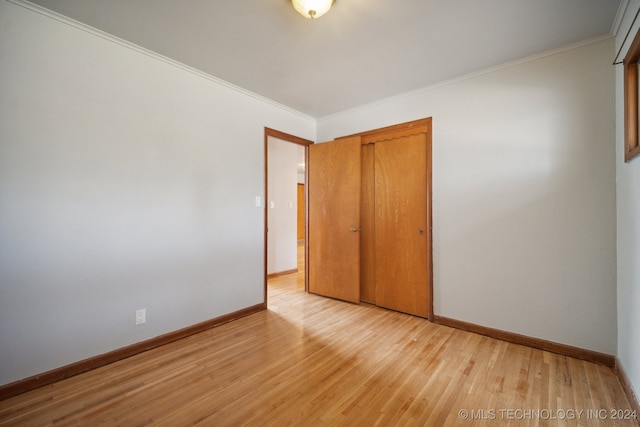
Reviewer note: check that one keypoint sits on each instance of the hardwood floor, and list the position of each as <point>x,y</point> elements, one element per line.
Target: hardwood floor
<point>312,361</point>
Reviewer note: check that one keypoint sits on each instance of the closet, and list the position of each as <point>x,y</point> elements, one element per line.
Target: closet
<point>369,201</point>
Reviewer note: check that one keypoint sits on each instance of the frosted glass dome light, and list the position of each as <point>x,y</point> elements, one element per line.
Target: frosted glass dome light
<point>312,8</point>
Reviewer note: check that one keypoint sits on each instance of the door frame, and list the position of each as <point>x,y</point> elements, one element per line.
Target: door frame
<point>416,126</point>
<point>404,129</point>
<point>268,132</point>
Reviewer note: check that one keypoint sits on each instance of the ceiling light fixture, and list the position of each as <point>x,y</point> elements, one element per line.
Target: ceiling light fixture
<point>312,8</point>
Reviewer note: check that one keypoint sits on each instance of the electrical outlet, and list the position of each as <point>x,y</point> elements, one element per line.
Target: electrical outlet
<point>141,316</point>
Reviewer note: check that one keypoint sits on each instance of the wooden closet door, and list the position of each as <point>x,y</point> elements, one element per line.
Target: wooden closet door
<point>367,226</point>
<point>334,219</point>
<point>401,233</point>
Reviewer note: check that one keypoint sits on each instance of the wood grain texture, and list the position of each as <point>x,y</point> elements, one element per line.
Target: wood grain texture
<point>301,211</point>
<point>626,385</point>
<point>630,109</point>
<point>368,215</point>
<point>394,131</point>
<point>313,361</point>
<point>401,228</point>
<point>70,370</point>
<point>563,349</point>
<point>631,59</point>
<point>334,219</point>
<point>367,227</point>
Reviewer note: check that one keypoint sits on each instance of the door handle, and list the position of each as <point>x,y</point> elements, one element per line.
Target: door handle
<point>354,229</point>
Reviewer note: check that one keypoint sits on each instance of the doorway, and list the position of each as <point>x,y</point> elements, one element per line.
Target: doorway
<point>285,218</point>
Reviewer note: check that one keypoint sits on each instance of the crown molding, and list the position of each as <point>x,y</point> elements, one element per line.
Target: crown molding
<point>124,43</point>
<point>617,21</point>
<point>469,76</point>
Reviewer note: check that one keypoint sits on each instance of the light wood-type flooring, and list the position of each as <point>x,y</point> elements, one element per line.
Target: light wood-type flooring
<point>313,361</point>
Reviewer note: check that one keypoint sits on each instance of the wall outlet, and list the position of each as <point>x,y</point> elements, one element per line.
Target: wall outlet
<point>141,316</point>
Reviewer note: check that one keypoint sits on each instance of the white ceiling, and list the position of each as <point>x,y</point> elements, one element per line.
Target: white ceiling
<point>359,52</point>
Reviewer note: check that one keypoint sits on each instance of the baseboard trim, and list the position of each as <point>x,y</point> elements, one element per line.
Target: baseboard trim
<point>553,347</point>
<point>281,273</point>
<point>632,397</point>
<point>49,377</point>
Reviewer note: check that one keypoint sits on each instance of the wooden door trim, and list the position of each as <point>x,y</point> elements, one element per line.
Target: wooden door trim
<point>286,137</point>
<point>394,131</point>
<point>300,222</point>
<point>401,130</point>
<point>268,132</point>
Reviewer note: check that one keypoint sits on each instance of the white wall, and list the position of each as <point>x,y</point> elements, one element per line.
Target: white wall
<point>126,182</point>
<point>523,193</point>
<point>628,204</point>
<point>282,210</point>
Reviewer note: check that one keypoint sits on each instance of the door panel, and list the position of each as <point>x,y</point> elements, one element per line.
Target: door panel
<point>367,225</point>
<point>401,232</point>
<point>334,219</point>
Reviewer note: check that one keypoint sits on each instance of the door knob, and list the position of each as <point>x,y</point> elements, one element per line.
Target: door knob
<point>354,229</point>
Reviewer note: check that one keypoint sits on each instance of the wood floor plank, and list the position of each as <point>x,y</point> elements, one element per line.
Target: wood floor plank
<point>314,361</point>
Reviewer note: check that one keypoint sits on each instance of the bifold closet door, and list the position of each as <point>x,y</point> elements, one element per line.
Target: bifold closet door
<point>401,234</point>
<point>334,219</point>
